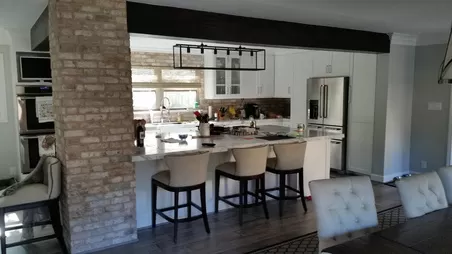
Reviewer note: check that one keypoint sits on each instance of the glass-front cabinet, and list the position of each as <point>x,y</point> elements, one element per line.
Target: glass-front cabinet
<point>227,82</point>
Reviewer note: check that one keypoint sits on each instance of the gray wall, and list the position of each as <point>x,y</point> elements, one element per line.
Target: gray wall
<point>399,110</point>
<point>381,97</point>
<point>429,129</point>
<point>8,132</point>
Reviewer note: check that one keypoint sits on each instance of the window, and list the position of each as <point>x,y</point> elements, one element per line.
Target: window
<point>152,84</point>
<point>181,98</point>
<point>144,99</point>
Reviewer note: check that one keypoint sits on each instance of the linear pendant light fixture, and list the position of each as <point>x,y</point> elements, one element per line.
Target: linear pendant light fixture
<point>445,74</point>
<point>250,59</point>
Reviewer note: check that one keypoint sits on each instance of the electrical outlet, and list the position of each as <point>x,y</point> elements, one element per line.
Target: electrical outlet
<point>423,164</point>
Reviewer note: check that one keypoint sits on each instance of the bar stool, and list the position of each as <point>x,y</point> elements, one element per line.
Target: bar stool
<point>187,172</point>
<point>250,165</point>
<point>289,160</point>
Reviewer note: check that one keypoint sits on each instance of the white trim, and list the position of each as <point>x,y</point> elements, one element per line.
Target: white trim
<point>359,171</point>
<point>403,39</point>
<point>449,134</point>
<point>386,178</point>
<point>3,83</point>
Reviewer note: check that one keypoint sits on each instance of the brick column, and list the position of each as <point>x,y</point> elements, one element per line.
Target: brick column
<point>89,45</point>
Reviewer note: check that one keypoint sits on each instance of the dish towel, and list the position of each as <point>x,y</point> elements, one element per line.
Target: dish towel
<point>44,109</point>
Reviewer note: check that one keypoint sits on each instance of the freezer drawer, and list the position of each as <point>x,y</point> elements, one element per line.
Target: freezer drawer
<point>336,154</point>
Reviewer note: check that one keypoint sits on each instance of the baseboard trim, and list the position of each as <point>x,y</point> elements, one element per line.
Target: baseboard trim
<point>386,178</point>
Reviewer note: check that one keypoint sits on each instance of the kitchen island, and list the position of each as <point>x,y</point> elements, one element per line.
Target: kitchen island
<point>148,161</point>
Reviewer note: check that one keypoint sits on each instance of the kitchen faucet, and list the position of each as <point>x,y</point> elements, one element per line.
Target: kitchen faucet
<point>162,107</point>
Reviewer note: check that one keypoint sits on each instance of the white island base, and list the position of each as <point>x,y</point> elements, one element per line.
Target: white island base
<point>316,166</point>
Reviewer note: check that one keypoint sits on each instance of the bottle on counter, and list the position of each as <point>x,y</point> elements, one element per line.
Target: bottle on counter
<point>139,134</point>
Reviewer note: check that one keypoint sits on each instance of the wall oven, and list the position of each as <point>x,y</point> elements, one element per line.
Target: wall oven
<point>35,109</point>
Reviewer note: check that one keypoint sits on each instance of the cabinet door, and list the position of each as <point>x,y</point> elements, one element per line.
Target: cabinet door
<point>298,103</point>
<point>249,79</point>
<point>266,84</point>
<point>235,77</point>
<point>321,63</point>
<point>220,76</point>
<point>362,88</point>
<point>340,64</point>
<point>283,75</point>
<point>359,147</point>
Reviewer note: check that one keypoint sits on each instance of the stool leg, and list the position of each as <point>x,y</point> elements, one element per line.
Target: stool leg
<point>217,190</point>
<point>176,214</point>
<point>189,203</point>
<point>282,193</point>
<point>256,191</point>
<point>242,188</point>
<point>245,193</point>
<point>264,202</point>
<point>204,208</point>
<point>154,203</point>
<point>301,185</point>
<point>2,228</point>
<point>54,211</point>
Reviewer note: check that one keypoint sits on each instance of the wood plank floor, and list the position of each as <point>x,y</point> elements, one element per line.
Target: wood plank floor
<point>226,235</point>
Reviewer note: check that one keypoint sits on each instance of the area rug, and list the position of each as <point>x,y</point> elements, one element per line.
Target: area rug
<point>309,243</point>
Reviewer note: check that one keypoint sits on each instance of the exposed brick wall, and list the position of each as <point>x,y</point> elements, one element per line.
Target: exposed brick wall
<point>151,59</point>
<point>89,46</point>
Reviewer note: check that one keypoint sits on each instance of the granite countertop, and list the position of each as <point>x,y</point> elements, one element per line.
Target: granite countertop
<point>155,149</point>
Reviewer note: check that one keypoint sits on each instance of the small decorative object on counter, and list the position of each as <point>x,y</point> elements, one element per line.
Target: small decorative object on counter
<point>179,117</point>
<point>252,122</point>
<point>140,133</point>
<point>204,126</point>
<point>300,128</point>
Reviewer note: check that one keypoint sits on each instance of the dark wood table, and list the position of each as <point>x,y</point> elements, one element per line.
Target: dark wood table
<point>431,233</point>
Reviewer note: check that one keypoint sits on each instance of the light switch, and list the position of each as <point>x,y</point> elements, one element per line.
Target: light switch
<point>434,105</point>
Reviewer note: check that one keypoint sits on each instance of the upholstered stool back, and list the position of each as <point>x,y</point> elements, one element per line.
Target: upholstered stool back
<point>290,156</point>
<point>52,176</point>
<point>344,207</point>
<point>445,174</point>
<point>250,161</point>
<point>421,194</point>
<point>187,169</point>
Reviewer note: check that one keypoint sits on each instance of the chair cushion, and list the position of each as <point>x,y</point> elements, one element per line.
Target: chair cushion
<point>26,194</point>
<point>228,167</point>
<point>421,194</point>
<point>163,177</point>
<point>445,174</point>
<point>343,205</point>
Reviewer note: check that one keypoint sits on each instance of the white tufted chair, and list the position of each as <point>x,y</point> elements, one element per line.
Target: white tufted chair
<point>344,207</point>
<point>41,188</point>
<point>421,194</point>
<point>445,174</point>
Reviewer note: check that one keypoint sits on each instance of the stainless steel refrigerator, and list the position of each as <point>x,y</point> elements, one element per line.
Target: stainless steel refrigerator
<point>327,100</point>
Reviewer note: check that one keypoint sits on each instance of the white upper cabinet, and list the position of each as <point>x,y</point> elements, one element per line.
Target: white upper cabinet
<point>284,70</point>
<point>329,63</point>
<point>266,79</point>
<point>302,72</point>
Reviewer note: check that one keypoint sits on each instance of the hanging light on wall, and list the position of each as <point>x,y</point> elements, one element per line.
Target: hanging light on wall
<point>258,54</point>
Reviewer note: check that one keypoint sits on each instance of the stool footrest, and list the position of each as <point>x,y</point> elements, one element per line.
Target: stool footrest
<point>172,220</point>
<point>37,239</point>
<point>35,224</point>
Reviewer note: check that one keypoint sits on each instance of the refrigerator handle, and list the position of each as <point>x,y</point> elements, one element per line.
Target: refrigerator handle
<point>321,102</point>
<point>325,101</point>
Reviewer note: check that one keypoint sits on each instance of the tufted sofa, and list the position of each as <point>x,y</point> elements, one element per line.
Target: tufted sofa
<point>345,209</point>
<point>421,194</point>
<point>445,174</point>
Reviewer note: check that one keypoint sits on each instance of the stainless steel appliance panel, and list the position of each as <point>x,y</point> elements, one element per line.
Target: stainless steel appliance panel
<point>333,103</point>
<point>336,154</point>
<point>315,100</point>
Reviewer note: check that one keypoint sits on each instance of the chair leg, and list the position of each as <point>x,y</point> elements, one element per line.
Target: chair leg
<point>176,214</point>
<point>2,228</point>
<point>204,208</point>
<point>256,191</point>
<point>217,190</point>
<point>54,211</point>
<point>282,193</point>
<point>301,186</point>
<point>245,193</point>
<point>263,196</point>
<point>189,204</point>
<point>154,203</point>
<point>242,188</point>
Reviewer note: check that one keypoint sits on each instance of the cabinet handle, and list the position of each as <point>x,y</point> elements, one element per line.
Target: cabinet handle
<point>331,69</point>
<point>288,89</point>
<point>262,89</point>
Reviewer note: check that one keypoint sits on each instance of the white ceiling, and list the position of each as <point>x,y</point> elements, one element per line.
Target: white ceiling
<point>386,16</point>
<point>20,13</point>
